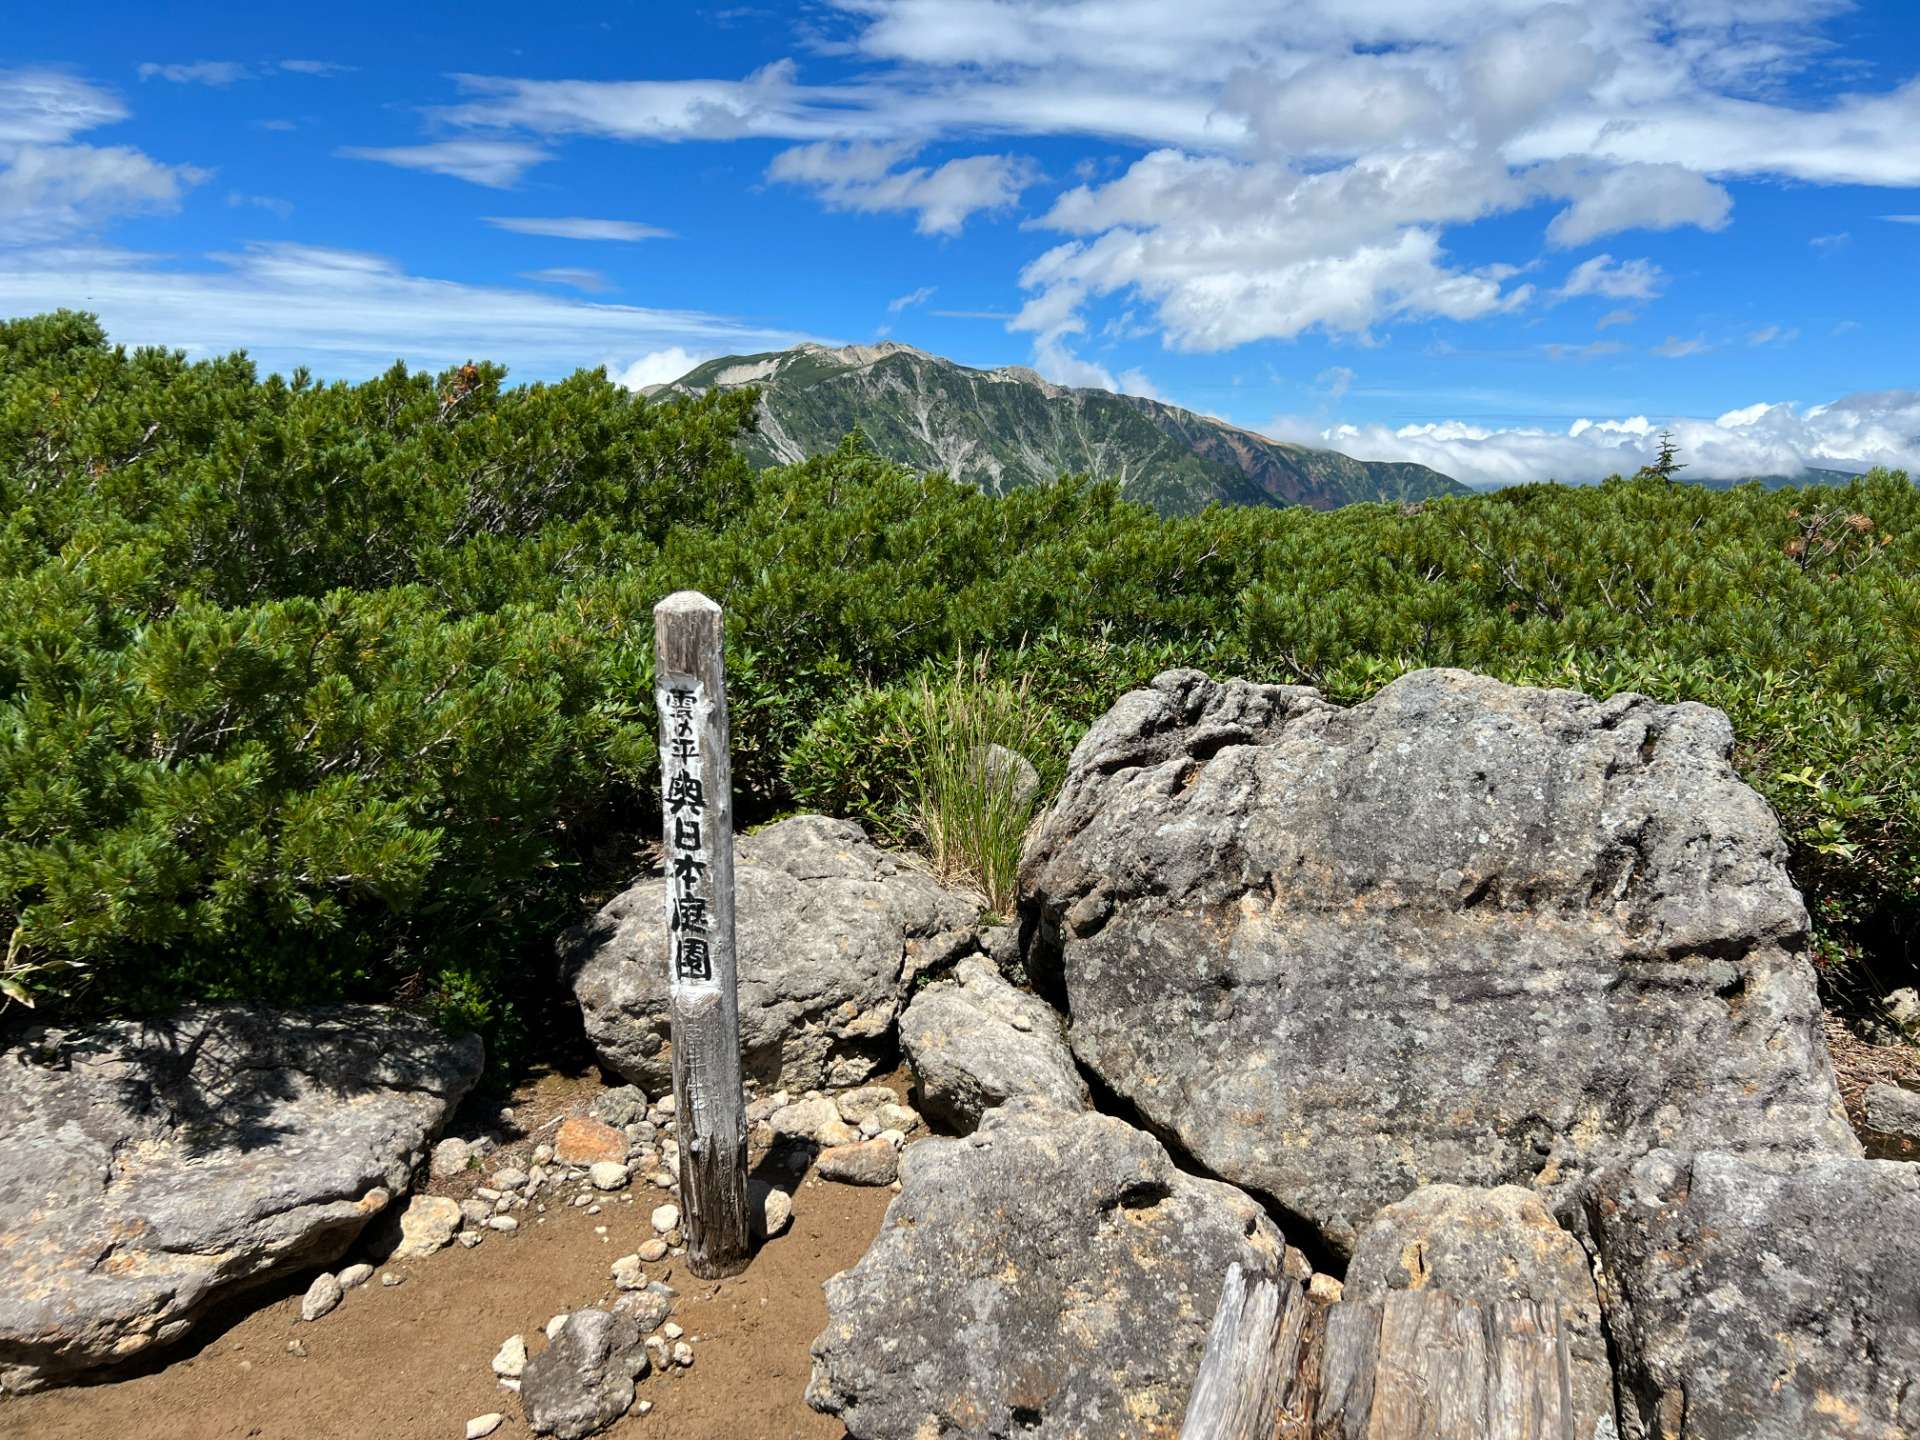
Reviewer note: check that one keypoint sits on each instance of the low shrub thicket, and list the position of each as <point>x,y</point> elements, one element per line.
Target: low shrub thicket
<point>313,691</point>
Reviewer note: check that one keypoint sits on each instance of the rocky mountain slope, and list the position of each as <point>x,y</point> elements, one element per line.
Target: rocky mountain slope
<point>1001,429</point>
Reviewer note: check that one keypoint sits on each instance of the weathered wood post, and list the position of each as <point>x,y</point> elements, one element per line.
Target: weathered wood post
<point>696,774</point>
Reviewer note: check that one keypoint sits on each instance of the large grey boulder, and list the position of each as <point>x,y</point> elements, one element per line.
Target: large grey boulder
<point>976,1042</point>
<point>1050,1276</point>
<point>1763,1301</point>
<point>1487,1246</point>
<point>1462,932</point>
<point>583,1381</point>
<point>827,927</point>
<point>151,1168</point>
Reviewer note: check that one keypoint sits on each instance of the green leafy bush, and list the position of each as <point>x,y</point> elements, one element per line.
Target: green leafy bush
<point>310,691</point>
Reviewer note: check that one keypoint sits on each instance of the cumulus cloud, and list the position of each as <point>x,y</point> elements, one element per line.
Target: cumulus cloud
<point>51,185</point>
<point>1855,432</point>
<point>1639,197</point>
<point>862,176</point>
<point>349,314</point>
<point>659,367</point>
<point>498,164</point>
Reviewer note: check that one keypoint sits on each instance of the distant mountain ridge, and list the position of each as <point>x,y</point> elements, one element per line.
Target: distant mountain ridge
<point>1006,428</point>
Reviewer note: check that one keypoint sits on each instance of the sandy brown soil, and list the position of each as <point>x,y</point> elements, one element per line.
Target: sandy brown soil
<point>413,1362</point>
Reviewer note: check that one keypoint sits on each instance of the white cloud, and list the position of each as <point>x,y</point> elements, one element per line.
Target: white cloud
<point>576,227</point>
<point>1903,219</point>
<point>1639,197</point>
<point>1335,381</point>
<point>347,314</point>
<point>272,204</point>
<point>1615,317</point>
<point>52,186</point>
<point>217,73</point>
<point>1625,280</point>
<point>1855,432</point>
<point>592,282</point>
<point>909,300</point>
<point>658,368</point>
<point>495,163</point>
<point>322,68</point>
<point>1674,348</point>
<point>861,176</point>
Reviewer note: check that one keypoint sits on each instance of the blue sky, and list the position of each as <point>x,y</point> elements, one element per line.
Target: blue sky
<point>1506,238</point>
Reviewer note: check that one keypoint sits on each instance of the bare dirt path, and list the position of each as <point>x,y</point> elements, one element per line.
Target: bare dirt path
<point>413,1362</point>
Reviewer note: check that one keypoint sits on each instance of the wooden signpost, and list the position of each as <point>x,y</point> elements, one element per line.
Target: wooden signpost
<point>697,814</point>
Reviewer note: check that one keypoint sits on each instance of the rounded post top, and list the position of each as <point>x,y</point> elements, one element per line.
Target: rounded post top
<point>686,602</point>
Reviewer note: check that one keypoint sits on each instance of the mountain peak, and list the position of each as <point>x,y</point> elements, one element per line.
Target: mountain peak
<point>1008,427</point>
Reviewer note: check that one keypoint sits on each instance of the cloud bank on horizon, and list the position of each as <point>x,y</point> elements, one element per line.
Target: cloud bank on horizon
<point>1529,235</point>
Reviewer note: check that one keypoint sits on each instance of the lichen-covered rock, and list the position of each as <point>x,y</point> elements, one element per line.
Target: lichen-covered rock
<point>583,1380</point>
<point>1893,1111</point>
<point>152,1167</point>
<point>1763,1301</point>
<point>975,1042</point>
<point>828,927</point>
<point>1462,932</point>
<point>1486,1246</point>
<point>1052,1275</point>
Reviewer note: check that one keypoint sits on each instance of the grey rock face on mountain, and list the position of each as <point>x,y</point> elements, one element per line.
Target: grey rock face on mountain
<point>153,1167</point>
<point>1050,1276</point>
<point>827,927</point>
<point>1486,1246</point>
<point>1775,1301</point>
<point>583,1380</point>
<point>1462,932</point>
<point>975,1042</point>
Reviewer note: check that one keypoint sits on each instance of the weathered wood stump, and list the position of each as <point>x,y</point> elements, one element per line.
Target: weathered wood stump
<point>1418,1365</point>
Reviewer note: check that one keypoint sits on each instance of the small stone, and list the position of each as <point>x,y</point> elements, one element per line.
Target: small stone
<point>1893,1111</point>
<point>867,1162</point>
<point>652,1250</point>
<point>665,1218</point>
<point>543,1155</point>
<point>1022,1023</point>
<point>608,1175</point>
<point>641,1407</point>
<point>450,1157</point>
<point>584,1142</point>
<point>627,1273</point>
<point>503,1204</point>
<point>598,1229</point>
<point>683,1354</point>
<point>763,1108</point>
<point>836,1132</point>
<point>657,1351</point>
<point>869,1127</point>
<point>666,1104</point>
<point>295,1348</point>
<point>483,1425</point>
<point>903,1118</point>
<point>672,1331</point>
<point>802,1119</point>
<point>428,1224</point>
<point>354,1276</point>
<point>553,1325</point>
<point>513,1385</point>
<point>648,1308</point>
<point>505,1224</point>
<point>771,1206</point>
<point>467,1239</point>
<point>857,1105</point>
<point>321,1297</point>
<point>510,1178</point>
<point>486,1193</point>
<point>1325,1287</point>
<point>585,1199</point>
<point>475,1211</point>
<point>389,1279</point>
<point>662,1179</point>
<point>512,1358</point>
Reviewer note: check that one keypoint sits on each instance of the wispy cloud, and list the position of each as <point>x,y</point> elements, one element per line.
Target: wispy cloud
<point>575,227</point>
<point>1622,280</point>
<point>591,282</point>
<point>498,164</point>
<point>272,204</point>
<point>868,177</point>
<point>1675,348</point>
<point>909,300</point>
<point>322,68</point>
<point>217,73</point>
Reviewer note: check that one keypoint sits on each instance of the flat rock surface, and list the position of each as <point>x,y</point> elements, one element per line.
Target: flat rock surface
<point>1463,932</point>
<point>152,1167</point>
<point>975,1042</point>
<point>1051,1275</point>
<point>827,927</point>
<point>1487,1246</point>
<point>1763,1302</point>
